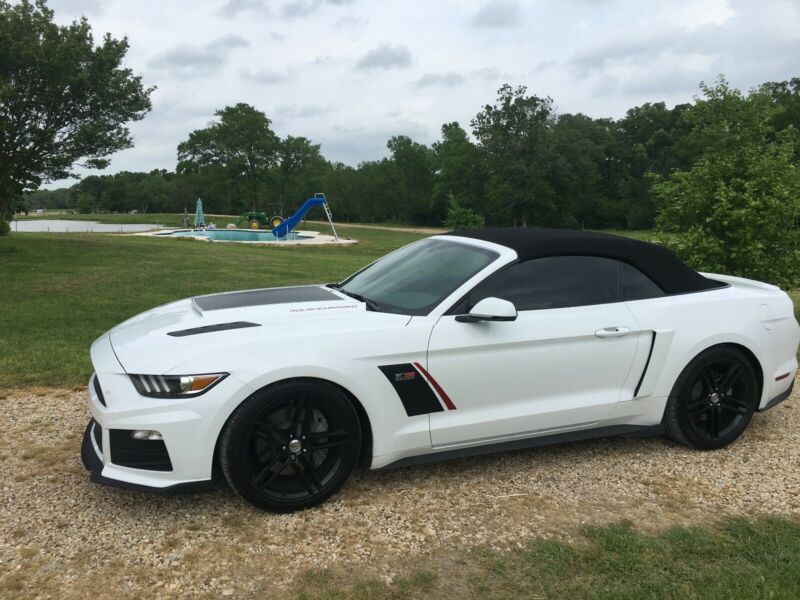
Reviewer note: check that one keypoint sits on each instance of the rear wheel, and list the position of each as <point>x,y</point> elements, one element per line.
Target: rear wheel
<point>713,400</point>
<point>290,446</point>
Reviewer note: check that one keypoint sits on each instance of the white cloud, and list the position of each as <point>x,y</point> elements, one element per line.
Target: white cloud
<point>187,61</point>
<point>78,7</point>
<point>265,76</point>
<point>497,13</point>
<point>447,79</point>
<point>233,8</point>
<point>385,56</point>
<point>302,112</point>
<point>348,77</point>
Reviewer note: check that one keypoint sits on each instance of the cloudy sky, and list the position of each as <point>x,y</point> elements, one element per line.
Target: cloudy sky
<point>348,74</point>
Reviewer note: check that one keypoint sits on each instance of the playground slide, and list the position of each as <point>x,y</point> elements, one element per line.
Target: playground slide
<point>290,223</point>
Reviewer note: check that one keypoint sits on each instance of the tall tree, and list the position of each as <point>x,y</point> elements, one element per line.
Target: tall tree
<point>412,184</point>
<point>515,134</point>
<point>342,190</point>
<point>738,206</point>
<point>460,170</point>
<point>786,96</point>
<point>651,140</point>
<point>577,156</point>
<point>240,144</point>
<point>63,100</point>
<point>299,163</point>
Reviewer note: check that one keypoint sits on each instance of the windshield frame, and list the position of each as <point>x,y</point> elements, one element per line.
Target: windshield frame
<point>494,252</point>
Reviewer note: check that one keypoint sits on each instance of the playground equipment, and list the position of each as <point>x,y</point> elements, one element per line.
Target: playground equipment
<point>280,226</point>
<point>283,229</point>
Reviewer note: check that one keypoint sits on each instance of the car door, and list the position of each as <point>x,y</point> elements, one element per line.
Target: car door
<point>560,365</point>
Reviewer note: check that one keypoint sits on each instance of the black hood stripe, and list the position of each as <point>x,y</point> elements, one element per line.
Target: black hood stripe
<point>261,297</point>
<point>212,328</point>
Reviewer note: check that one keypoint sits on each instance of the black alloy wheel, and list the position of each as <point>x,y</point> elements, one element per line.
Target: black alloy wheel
<point>713,400</point>
<point>291,446</point>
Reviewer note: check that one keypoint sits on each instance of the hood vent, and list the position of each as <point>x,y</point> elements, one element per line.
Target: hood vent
<point>211,329</point>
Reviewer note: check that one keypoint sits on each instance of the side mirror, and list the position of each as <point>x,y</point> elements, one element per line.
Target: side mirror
<point>490,309</point>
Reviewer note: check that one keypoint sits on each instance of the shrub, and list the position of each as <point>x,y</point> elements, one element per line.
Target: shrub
<point>738,207</point>
<point>459,217</point>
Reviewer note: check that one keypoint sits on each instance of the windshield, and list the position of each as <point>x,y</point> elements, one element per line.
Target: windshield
<point>414,279</point>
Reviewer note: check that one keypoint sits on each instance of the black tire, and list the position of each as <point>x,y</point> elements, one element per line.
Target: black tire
<point>290,446</point>
<point>713,399</point>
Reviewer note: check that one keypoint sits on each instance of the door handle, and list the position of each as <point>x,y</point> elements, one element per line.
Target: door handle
<point>611,332</point>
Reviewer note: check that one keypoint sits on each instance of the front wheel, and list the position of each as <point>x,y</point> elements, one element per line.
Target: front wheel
<point>290,446</point>
<point>713,400</point>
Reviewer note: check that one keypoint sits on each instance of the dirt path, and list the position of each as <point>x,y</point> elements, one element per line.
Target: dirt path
<point>61,535</point>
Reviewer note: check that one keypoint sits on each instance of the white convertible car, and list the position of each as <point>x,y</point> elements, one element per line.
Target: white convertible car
<point>455,345</point>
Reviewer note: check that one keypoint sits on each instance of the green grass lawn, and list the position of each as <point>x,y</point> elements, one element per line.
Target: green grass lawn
<point>739,559</point>
<point>61,291</point>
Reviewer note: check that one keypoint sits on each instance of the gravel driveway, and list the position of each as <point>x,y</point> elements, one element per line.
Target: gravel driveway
<point>61,535</point>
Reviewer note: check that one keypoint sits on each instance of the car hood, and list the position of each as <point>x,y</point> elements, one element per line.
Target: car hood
<point>157,341</point>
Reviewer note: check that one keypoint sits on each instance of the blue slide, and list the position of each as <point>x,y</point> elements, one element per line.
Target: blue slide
<point>290,223</point>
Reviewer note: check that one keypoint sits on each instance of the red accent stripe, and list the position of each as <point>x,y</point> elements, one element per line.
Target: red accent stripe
<point>784,376</point>
<point>442,394</point>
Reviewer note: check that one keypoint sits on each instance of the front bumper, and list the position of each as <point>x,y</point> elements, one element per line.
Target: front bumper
<point>189,428</point>
<point>92,458</point>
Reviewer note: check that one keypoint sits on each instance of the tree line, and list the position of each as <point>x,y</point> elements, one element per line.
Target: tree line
<point>524,164</point>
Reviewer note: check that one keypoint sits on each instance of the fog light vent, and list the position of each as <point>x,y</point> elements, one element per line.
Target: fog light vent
<point>139,449</point>
<point>145,434</point>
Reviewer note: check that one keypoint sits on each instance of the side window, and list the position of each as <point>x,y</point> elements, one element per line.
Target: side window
<point>554,282</point>
<point>638,286</point>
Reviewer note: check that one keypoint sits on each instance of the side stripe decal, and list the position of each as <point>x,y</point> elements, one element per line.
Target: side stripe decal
<point>442,394</point>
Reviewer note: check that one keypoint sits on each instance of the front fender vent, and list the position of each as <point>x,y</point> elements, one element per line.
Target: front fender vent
<point>98,390</point>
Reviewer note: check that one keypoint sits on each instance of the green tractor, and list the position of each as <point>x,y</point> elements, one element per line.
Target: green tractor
<point>258,220</point>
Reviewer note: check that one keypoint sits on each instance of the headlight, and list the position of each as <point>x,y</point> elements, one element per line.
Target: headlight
<point>175,386</point>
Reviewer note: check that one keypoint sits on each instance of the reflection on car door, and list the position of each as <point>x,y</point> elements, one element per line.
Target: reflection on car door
<point>545,371</point>
<point>552,368</point>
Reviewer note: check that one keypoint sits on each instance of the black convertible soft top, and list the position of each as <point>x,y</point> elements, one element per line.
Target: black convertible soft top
<point>657,262</point>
